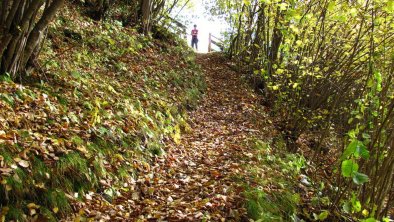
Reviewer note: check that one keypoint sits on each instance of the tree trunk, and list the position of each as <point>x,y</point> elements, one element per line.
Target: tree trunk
<point>37,33</point>
<point>20,33</point>
<point>146,10</point>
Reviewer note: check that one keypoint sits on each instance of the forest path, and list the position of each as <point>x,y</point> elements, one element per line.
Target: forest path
<point>202,177</point>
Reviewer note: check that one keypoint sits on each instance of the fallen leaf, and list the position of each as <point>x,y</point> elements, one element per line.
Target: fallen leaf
<point>23,163</point>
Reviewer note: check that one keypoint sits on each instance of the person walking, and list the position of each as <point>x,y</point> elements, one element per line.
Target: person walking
<point>194,37</point>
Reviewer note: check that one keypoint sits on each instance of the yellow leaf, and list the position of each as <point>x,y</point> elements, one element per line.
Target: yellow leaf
<point>77,219</point>
<point>33,206</point>
<point>119,157</point>
<point>177,135</point>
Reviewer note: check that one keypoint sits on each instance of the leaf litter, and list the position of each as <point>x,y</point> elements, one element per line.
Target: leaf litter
<point>203,176</point>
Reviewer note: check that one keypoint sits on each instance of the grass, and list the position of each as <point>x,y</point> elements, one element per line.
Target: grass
<point>55,198</point>
<point>155,149</point>
<point>40,170</point>
<point>17,184</point>
<point>73,171</point>
<point>275,206</point>
<point>123,173</point>
<point>98,166</point>
<point>280,171</point>
<point>16,214</point>
<point>48,214</point>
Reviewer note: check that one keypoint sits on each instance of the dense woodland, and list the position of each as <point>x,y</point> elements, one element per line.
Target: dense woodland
<point>106,113</point>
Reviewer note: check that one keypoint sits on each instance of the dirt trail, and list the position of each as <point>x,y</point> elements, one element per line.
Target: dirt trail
<point>201,179</point>
<point>197,179</point>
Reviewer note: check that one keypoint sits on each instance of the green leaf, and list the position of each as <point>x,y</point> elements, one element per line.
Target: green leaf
<point>356,206</point>
<point>346,207</point>
<point>361,150</point>
<point>331,6</point>
<point>323,215</point>
<point>350,149</point>
<point>360,178</point>
<point>76,74</point>
<point>349,167</point>
<point>356,148</point>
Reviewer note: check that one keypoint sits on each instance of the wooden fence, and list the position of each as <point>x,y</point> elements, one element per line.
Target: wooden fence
<point>213,40</point>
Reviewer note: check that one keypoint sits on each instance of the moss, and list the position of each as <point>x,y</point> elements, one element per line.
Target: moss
<point>77,140</point>
<point>155,149</point>
<point>279,169</point>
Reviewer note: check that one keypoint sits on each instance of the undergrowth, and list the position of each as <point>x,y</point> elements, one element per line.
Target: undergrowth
<point>271,195</point>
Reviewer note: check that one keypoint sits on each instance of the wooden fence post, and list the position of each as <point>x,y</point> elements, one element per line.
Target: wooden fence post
<point>209,42</point>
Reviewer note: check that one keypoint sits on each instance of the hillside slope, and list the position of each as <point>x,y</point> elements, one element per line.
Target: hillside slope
<point>102,103</point>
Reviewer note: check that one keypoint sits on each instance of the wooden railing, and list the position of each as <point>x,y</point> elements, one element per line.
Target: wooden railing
<point>215,41</point>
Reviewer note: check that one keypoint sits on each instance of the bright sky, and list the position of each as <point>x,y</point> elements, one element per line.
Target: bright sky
<point>205,24</point>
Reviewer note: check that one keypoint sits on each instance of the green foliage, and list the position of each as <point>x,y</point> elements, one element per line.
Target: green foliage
<point>356,148</point>
<point>349,168</point>
<point>275,205</point>
<point>324,68</point>
<point>360,178</point>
